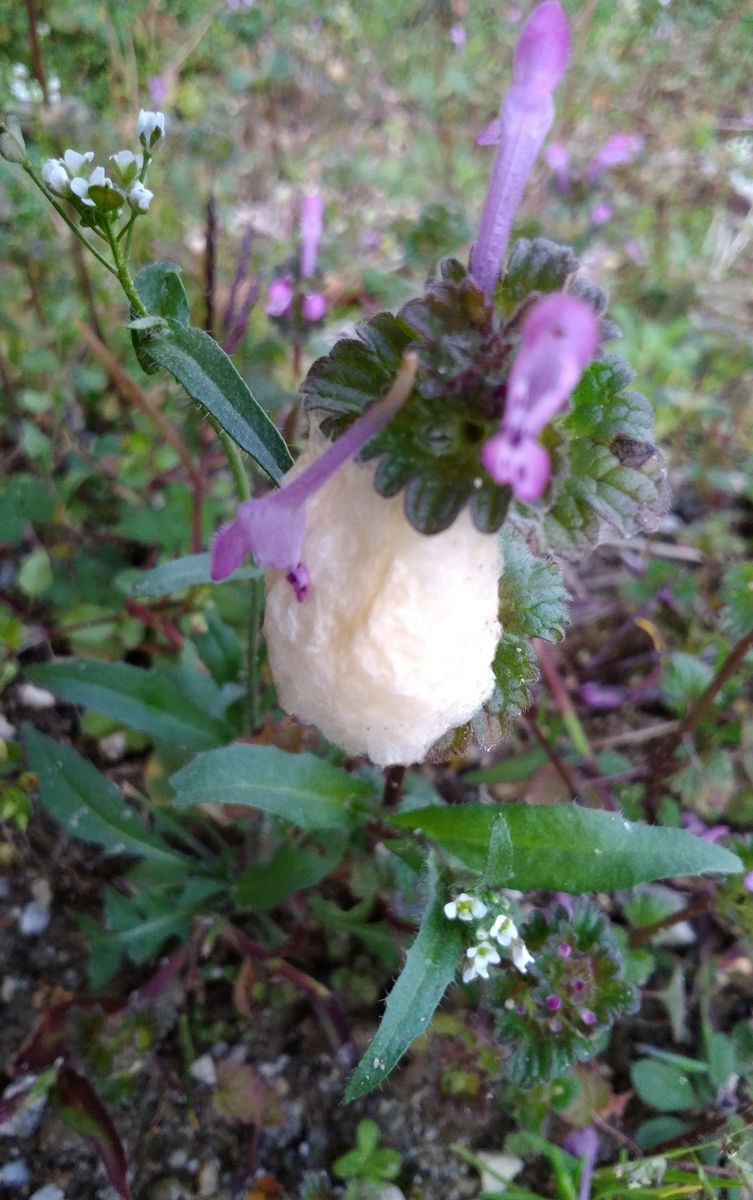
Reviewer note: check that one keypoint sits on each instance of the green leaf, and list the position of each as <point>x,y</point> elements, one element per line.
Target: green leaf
<point>358,370</point>
<point>302,788</point>
<point>532,596</point>
<point>568,848</point>
<point>162,293</point>
<point>89,806</point>
<point>291,869</point>
<point>684,678</point>
<point>74,1099</point>
<point>142,699</point>
<point>536,265</point>
<point>737,598</point>
<point>663,1086</point>
<point>615,474</point>
<point>499,855</point>
<point>24,500</point>
<point>207,374</point>
<point>179,574</point>
<point>219,648</point>
<point>516,670</point>
<point>429,967</point>
<point>35,573</point>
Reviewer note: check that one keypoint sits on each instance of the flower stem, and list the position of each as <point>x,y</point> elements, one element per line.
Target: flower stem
<point>123,274</point>
<point>71,224</point>
<point>253,648</point>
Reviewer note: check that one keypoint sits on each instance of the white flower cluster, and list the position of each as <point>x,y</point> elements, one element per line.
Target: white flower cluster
<point>71,178</point>
<point>484,953</point>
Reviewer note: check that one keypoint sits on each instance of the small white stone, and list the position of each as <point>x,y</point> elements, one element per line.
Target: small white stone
<point>50,1191</point>
<point>499,1168</point>
<point>33,919</point>
<point>7,731</point>
<point>203,1070</point>
<point>32,696</point>
<point>14,1174</point>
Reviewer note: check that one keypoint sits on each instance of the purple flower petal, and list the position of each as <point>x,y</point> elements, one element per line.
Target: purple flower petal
<point>279,296</point>
<point>557,158</point>
<point>585,1144</point>
<point>491,134</point>
<point>273,527</point>
<point>617,151</point>
<point>525,116</point>
<point>314,306</point>
<point>601,214</point>
<point>523,464</point>
<point>312,215</point>
<point>559,337</point>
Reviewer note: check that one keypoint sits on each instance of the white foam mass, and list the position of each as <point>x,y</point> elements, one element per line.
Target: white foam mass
<point>392,647</point>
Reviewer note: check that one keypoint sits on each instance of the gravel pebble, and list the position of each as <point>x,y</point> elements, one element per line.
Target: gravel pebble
<point>50,1191</point>
<point>14,1174</point>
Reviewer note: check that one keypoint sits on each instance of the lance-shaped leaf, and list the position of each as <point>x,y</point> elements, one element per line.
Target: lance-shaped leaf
<point>148,700</point>
<point>75,1100</point>
<point>180,573</point>
<point>207,374</point>
<point>429,967</point>
<point>568,848</point>
<point>88,805</point>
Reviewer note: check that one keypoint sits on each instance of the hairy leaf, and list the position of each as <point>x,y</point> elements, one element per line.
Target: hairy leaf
<point>429,967</point>
<point>532,596</point>
<point>568,848</point>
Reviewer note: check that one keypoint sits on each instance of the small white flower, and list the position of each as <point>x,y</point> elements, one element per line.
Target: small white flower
<point>503,930</point>
<point>519,955</point>
<point>480,958</point>
<point>99,179</point>
<point>74,161</point>
<point>127,164</point>
<point>150,127</point>
<point>465,908</point>
<point>80,188</point>
<point>55,176</point>
<point>140,197</point>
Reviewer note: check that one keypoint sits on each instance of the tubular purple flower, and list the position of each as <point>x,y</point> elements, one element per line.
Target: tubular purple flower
<point>558,339</point>
<point>273,527</point>
<point>557,158</point>
<point>585,1144</point>
<point>312,214</point>
<point>525,117</point>
<point>617,151</point>
<point>279,296</point>
<point>314,306</point>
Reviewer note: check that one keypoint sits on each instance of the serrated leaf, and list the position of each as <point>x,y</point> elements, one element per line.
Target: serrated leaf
<point>532,596</point>
<point>146,700</point>
<point>430,966</point>
<point>207,374</point>
<point>302,788</point>
<point>684,678</point>
<point>737,598</point>
<point>537,265</point>
<point>179,574</point>
<point>75,1100</point>
<point>568,848</point>
<point>88,805</point>
<point>616,476</point>
<point>358,370</point>
<point>499,854</point>
<point>516,669</point>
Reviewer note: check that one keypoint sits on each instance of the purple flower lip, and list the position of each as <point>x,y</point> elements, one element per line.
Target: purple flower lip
<point>617,151</point>
<point>273,527</point>
<point>525,117</point>
<point>279,296</point>
<point>553,1002</point>
<point>558,339</point>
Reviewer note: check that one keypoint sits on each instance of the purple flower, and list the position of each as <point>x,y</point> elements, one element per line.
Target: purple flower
<point>525,116</point>
<point>157,85</point>
<point>312,213</point>
<point>458,36</point>
<point>553,1002</point>
<point>314,306</point>
<point>588,1016</point>
<point>601,214</point>
<point>748,881</point>
<point>558,339</point>
<point>273,527</point>
<point>557,158</point>
<point>585,1144</point>
<point>279,296</point>
<point>617,151</point>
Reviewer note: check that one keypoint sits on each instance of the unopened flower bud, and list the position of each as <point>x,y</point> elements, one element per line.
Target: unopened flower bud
<point>127,165</point>
<point>140,197</point>
<point>12,146</point>
<point>55,176</point>
<point>150,127</point>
